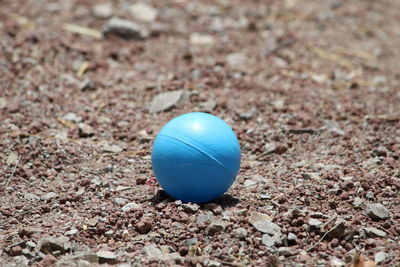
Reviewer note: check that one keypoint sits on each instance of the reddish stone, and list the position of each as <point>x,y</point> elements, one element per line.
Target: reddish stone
<point>48,260</point>
<point>144,225</point>
<point>16,250</point>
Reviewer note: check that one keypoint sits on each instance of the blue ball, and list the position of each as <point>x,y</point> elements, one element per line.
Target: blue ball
<point>196,157</point>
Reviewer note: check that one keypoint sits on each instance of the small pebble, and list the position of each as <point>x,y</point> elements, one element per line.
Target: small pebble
<point>103,10</point>
<point>315,224</point>
<point>125,29</point>
<point>215,227</point>
<point>107,257</point>
<point>377,211</point>
<point>198,39</point>
<point>374,232</point>
<point>357,201</point>
<point>191,241</point>
<point>380,257</point>
<point>292,238</point>
<point>153,252</point>
<point>240,233</point>
<point>145,225</point>
<point>143,12</point>
<point>71,232</point>
<point>369,195</point>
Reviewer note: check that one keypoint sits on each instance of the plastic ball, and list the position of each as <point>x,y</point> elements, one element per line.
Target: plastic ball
<point>196,157</point>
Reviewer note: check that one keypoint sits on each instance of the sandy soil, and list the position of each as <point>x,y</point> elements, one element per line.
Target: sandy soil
<point>311,88</point>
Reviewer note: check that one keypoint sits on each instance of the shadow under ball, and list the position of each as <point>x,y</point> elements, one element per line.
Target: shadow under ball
<point>196,157</point>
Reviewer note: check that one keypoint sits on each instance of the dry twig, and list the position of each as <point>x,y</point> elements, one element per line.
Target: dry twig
<point>326,233</point>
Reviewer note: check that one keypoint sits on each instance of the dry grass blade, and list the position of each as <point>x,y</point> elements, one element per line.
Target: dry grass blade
<point>12,174</point>
<point>332,57</point>
<point>385,117</point>
<point>22,21</point>
<point>357,53</point>
<point>83,68</point>
<point>83,30</point>
<point>66,123</point>
<point>102,106</point>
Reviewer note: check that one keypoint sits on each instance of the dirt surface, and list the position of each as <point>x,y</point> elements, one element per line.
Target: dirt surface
<point>311,88</point>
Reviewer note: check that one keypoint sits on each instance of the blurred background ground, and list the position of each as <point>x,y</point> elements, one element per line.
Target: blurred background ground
<point>309,87</point>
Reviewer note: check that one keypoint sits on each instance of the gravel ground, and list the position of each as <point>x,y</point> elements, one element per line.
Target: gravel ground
<point>309,87</point>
